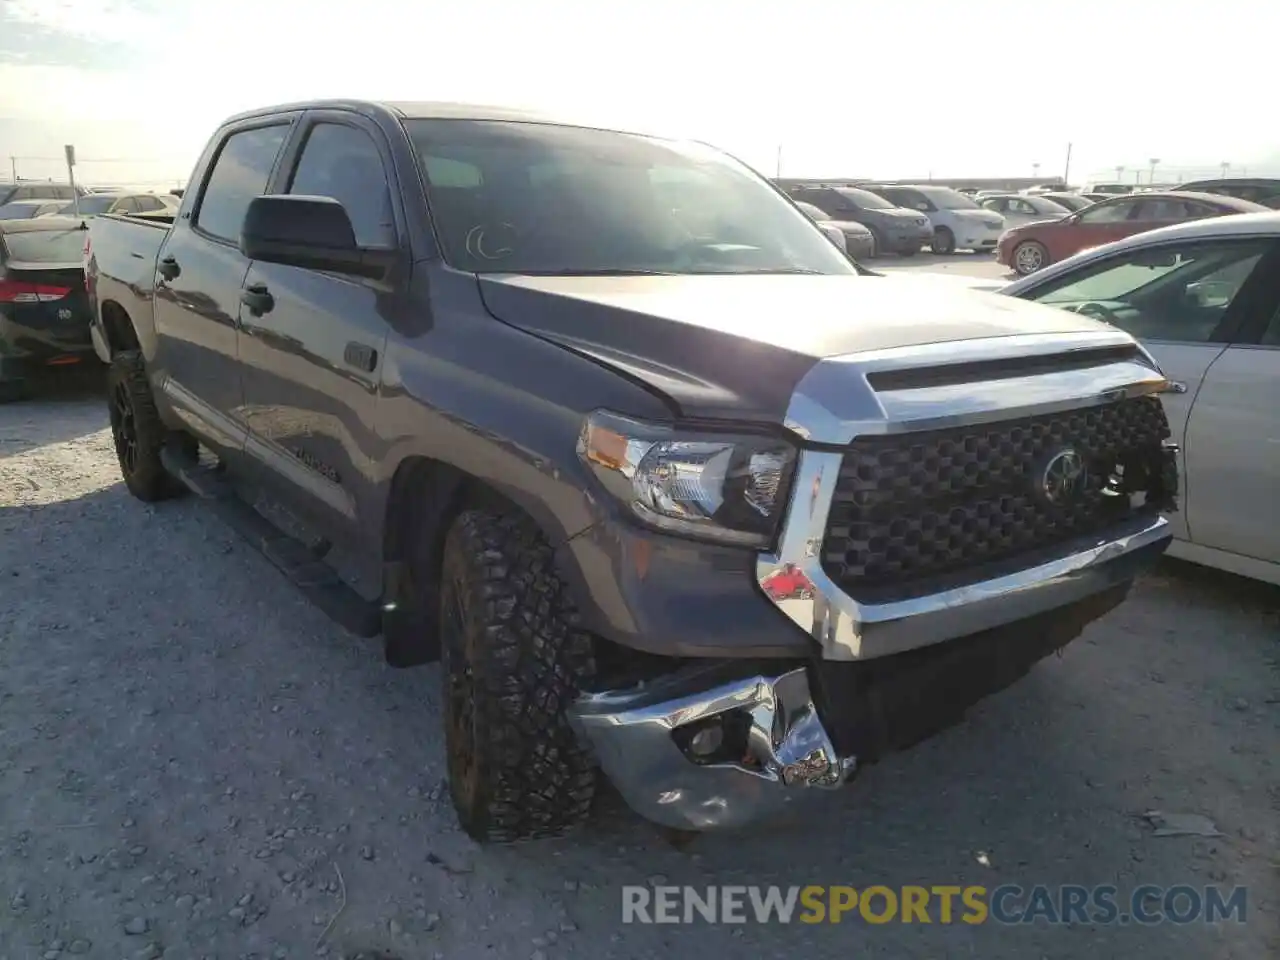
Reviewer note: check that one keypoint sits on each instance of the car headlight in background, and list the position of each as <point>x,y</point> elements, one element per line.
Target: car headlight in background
<point>722,487</point>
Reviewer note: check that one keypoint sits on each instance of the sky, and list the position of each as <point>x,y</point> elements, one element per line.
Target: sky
<point>911,89</point>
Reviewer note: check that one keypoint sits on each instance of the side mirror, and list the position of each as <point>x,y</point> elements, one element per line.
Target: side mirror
<point>310,232</point>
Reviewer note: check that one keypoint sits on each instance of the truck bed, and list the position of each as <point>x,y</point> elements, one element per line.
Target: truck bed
<point>121,270</point>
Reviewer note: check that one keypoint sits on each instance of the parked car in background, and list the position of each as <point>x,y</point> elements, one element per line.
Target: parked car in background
<point>1263,190</point>
<point>854,239</point>
<point>958,222</point>
<point>1072,201</point>
<point>1108,189</point>
<point>44,311</point>
<point>1203,299</point>
<point>27,209</point>
<point>99,203</point>
<point>35,190</point>
<point>1032,247</point>
<point>1019,210</point>
<point>894,230</point>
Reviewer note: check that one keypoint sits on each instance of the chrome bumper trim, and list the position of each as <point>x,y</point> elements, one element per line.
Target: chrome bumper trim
<point>848,630</point>
<point>631,732</point>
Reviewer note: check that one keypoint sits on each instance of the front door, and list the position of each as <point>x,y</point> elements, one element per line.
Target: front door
<point>312,359</point>
<point>1233,440</point>
<point>200,271</point>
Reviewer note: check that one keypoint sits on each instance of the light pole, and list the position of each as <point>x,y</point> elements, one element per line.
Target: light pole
<point>1225,167</point>
<point>1035,171</point>
<point>1151,174</point>
<point>1120,173</point>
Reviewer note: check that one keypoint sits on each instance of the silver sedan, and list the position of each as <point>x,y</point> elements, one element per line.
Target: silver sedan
<point>1204,299</point>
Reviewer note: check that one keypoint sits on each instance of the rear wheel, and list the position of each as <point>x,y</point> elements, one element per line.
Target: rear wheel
<point>513,661</point>
<point>1028,257</point>
<point>137,430</point>
<point>944,242</point>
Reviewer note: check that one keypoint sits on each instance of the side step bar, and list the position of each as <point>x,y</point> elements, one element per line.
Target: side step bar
<point>296,560</point>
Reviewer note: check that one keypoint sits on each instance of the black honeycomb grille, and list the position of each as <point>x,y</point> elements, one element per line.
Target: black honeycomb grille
<point>909,508</point>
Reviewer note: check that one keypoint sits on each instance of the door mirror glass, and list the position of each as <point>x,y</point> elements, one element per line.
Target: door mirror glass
<point>310,232</point>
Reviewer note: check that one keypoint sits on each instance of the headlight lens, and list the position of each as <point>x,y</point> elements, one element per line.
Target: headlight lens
<point>728,488</point>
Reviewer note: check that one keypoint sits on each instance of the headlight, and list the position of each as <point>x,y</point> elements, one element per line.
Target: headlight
<point>728,488</point>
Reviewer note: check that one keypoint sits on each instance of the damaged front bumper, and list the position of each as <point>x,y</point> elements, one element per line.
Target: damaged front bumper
<point>701,749</point>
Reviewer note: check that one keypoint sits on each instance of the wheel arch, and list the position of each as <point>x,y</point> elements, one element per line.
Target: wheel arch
<point>118,329</point>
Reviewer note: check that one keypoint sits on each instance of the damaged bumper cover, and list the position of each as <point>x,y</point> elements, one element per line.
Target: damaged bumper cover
<point>700,750</point>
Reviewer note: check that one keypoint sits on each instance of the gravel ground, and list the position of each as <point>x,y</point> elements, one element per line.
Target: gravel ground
<point>195,762</point>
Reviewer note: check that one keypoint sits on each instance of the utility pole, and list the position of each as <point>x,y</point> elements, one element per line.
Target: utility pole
<point>13,166</point>
<point>1066,170</point>
<point>1151,174</point>
<point>778,163</point>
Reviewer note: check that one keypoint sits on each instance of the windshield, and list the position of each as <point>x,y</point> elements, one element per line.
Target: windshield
<point>1046,206</point>
<point>949,199</point>
<point>512,197</point>
<point>1071,202</point>
<point>865,199</point>
<point>94,203</point>
<point>810,211</point>
<point>46,246</point>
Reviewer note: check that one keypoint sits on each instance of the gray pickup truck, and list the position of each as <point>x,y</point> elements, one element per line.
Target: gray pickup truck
<point>674,491</point>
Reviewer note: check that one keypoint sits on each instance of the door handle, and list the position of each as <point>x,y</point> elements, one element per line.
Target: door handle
<point>361,356</point>
<point>168,268</point>
<point>1176,386</point>
<point>258,299</point>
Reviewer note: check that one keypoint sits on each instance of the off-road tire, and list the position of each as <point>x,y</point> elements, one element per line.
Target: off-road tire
<point>512,661</point>
<point>137,430</point>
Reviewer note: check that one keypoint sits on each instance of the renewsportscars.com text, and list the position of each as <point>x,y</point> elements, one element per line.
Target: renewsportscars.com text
<point>1007,904</point>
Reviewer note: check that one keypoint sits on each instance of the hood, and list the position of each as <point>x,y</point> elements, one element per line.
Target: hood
<point>734,347</point>
<point>902,213</point>
<point>849,226</point>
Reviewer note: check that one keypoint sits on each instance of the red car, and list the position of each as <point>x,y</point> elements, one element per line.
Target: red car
<point>1028,248</point>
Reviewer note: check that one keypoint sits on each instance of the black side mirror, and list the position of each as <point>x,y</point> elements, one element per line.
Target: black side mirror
<point>310,232</point>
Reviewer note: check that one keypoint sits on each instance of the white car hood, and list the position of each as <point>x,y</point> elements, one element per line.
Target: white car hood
<point>951,281</point>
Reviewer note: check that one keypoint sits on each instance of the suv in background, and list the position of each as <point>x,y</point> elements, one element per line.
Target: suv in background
<point>895,230</point>
<point>29,190</point>
<point>958,222</point>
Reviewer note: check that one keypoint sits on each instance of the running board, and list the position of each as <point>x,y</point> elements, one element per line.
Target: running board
<point>299,562</point>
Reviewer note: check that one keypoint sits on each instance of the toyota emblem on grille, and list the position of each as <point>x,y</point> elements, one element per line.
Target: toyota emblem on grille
<point>1064,477</point>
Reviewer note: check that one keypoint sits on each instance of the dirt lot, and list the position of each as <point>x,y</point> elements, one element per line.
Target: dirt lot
<point>194,762</point>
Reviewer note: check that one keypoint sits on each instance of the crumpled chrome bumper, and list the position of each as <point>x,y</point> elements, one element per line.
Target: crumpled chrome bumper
<point>771,744</point>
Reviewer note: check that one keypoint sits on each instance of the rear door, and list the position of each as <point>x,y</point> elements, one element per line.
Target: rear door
<point>312,361</point>
<point>1233,438</point>
<point>1185,310</point>
<point>1099,224</point>
<point>199,277</point>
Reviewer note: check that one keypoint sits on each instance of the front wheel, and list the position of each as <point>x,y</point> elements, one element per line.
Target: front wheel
<point>1028,257</point>
<point>944,242</point>
<point>513,661</point>
<point>137,430</point>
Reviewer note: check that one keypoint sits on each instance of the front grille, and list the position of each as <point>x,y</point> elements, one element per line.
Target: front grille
<point>911,508</point>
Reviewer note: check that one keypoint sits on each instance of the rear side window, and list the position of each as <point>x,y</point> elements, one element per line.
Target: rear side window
<point>239,174</point>
<point>343,163</point>
<point>46,246</point>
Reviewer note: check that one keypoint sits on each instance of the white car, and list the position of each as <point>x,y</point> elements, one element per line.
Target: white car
<point>1204,298</point>
<point>1018,211</point>
<point>959,223</point>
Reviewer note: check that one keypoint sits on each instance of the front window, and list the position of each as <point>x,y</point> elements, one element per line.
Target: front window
<point>513,197</point>
<point>46,246</point>
<point>1179,293</point>
<point>947,199</point>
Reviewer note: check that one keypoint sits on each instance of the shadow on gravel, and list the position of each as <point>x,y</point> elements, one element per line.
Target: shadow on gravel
<point>60,408</point>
